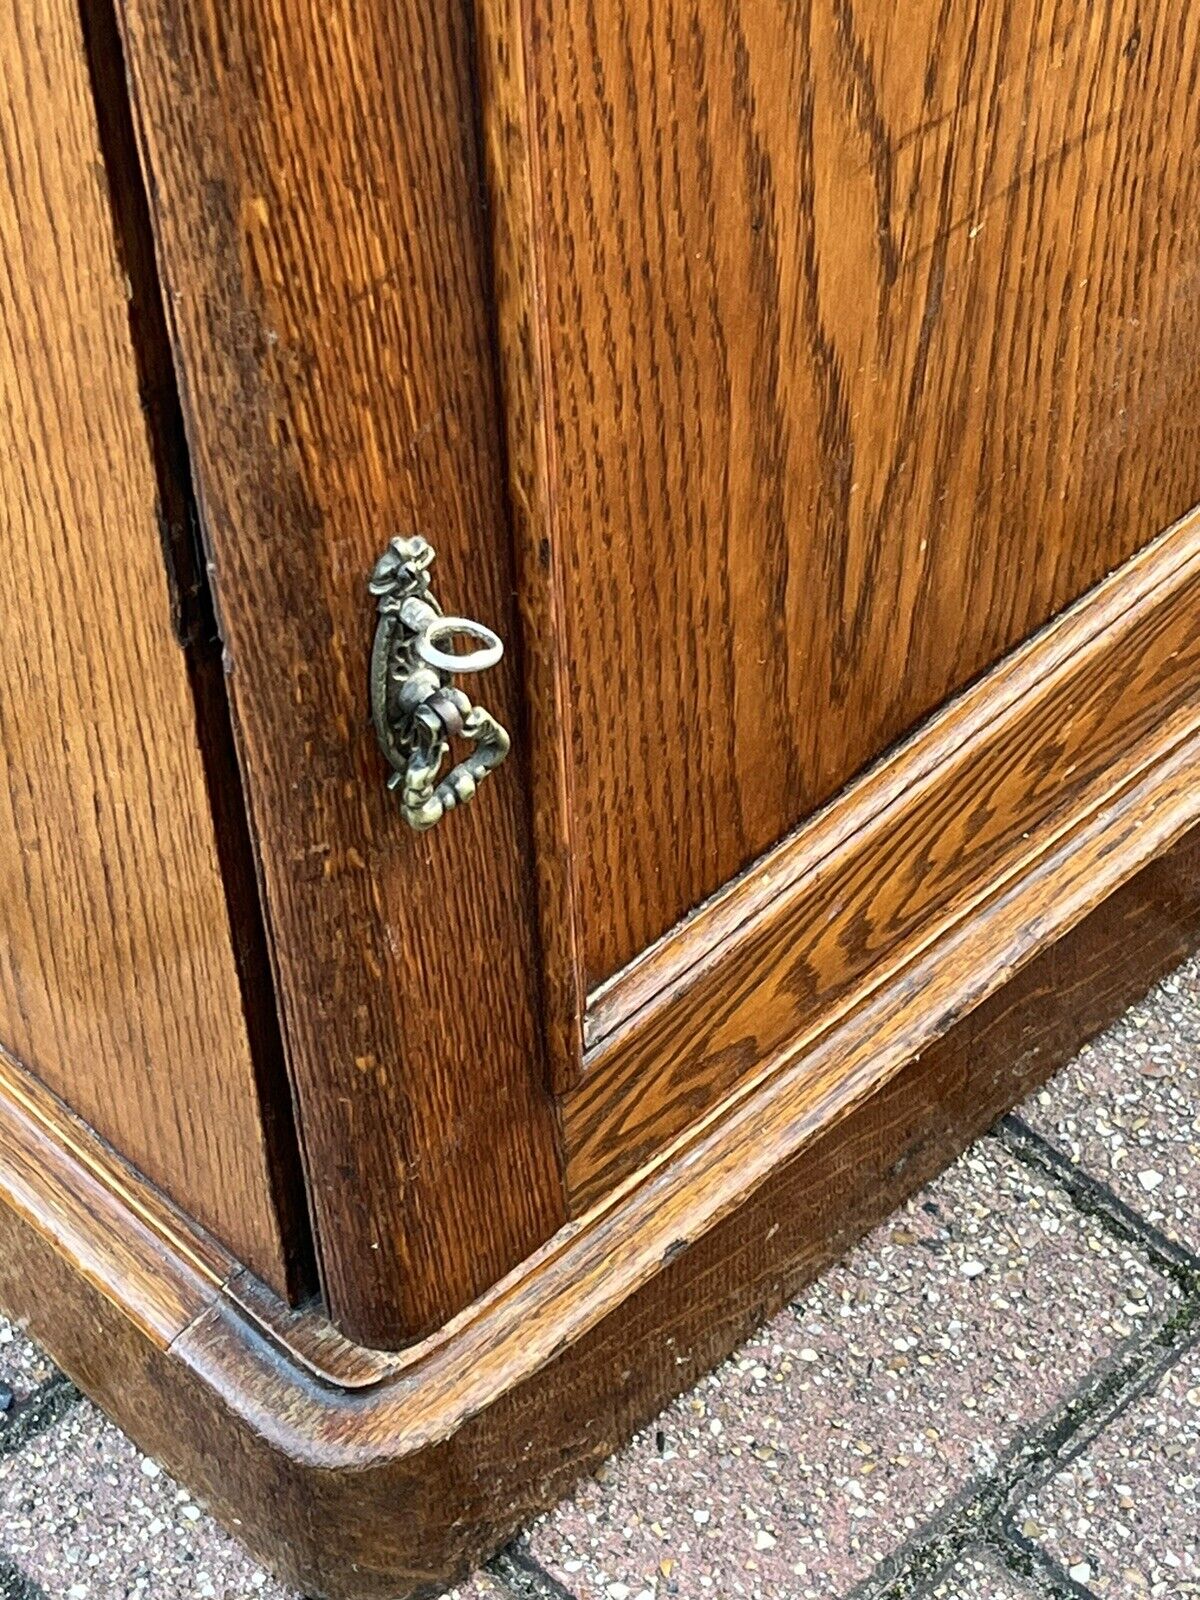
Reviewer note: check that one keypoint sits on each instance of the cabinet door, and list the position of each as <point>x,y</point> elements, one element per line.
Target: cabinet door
<point>320,223</point>
<point>845,344</point>
<point>126,973</point>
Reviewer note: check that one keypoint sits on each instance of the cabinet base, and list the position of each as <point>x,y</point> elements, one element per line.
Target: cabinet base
<point>357,1473</point>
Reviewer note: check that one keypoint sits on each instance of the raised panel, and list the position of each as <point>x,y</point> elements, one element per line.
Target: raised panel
<point>862,340</point>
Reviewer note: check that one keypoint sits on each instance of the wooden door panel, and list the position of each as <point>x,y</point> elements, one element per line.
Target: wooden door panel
<point>119,982</point>
<point>320,225</point>
<point>861,340</point>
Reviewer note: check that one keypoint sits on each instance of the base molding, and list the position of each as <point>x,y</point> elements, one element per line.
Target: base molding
<point>365,1474</point>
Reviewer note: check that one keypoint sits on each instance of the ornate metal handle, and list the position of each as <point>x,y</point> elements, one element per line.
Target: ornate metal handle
<point>415,708</point>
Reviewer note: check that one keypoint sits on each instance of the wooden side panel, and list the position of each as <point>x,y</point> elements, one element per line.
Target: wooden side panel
<point>320,228</point>
<point>868,337</point>
<point>118,983</point>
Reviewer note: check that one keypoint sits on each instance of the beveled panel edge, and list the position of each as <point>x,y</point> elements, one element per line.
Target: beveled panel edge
<point>613,1005</point>
<point>798,943</point>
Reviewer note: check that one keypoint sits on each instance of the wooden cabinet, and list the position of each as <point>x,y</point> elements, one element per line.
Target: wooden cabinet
<point>807,397</point>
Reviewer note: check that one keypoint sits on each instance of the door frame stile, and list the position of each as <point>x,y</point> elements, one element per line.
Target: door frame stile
<point>511,168</point>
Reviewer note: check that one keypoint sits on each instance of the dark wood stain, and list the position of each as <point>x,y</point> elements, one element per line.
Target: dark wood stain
<point>516,187</point>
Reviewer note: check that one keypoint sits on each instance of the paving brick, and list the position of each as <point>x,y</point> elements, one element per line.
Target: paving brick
<point>22,1365</point>
<point>1127,1109</point>
<point>84,1513</point>
<point>1124,1517</point>
<point>985,1577</point>
<point>89,1518</point>
<point>833,1436</point>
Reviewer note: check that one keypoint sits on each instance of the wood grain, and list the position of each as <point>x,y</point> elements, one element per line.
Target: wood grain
<point>119,983</point>
<point>831,916</point>
<point>515,186</point>
<point>867,338</point>
<point>1072,653</point>
<point>360,1495</point>
<point>318,210</point>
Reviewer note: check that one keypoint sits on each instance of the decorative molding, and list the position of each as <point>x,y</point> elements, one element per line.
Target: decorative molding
<point>972,802</point>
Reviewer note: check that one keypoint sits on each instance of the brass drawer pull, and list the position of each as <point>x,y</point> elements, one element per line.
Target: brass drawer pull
<point>415,707</point>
